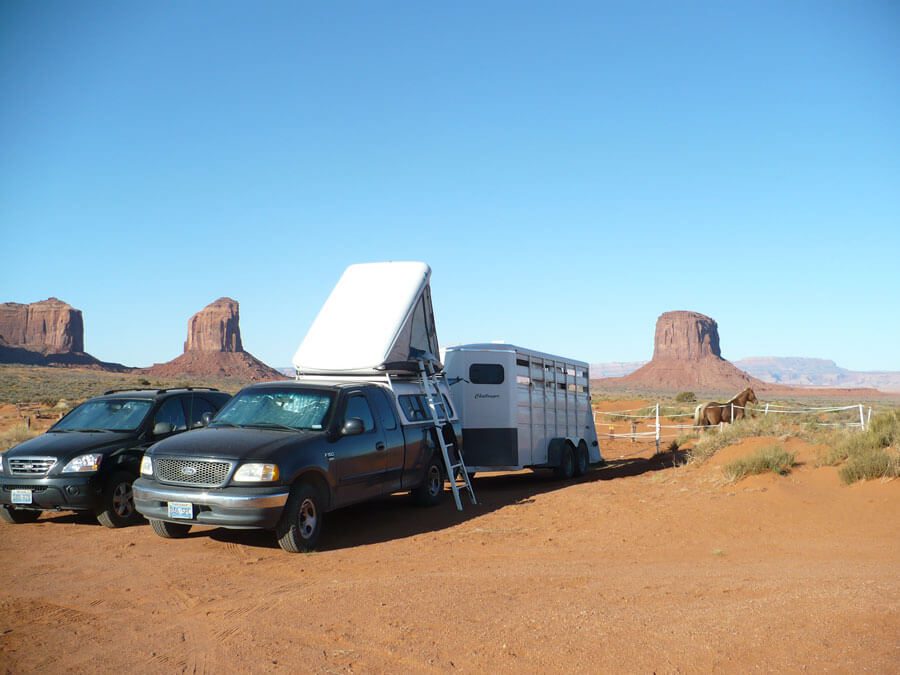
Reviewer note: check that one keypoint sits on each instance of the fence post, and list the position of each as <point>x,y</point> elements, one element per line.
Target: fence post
<point>732,412</point>
<point>633,431</point>
<point>657,427</point>
<point>862,421</point>
<point>28,423</point>
<point>767,409</point>
<point>868,417</point>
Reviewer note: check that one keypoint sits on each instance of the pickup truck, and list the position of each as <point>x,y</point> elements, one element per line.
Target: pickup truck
<point>280,455</point>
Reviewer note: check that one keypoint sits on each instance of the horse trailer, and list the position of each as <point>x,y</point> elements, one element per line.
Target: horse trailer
<point>522,408</point>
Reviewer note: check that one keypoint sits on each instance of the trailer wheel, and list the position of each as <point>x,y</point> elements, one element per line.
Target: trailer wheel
<point>582,461</point>
<point>566,468</point>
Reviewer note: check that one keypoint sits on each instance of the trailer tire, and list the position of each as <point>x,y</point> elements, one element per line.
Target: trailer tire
<point>431,491</point>
<point>582,461</point>
<point>566,468</point>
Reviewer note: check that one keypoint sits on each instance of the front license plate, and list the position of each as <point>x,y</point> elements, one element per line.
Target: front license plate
<point>183,510</point>
<point>21,497</point>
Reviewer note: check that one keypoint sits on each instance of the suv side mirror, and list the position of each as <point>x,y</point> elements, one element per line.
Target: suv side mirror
<point>353,427</point>
<point>205,419</point>
<point>163,428</point>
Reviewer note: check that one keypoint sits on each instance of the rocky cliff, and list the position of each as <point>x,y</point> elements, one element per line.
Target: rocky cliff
<point>687,357</point>
<point>214,348</point>
<point>49,327</point>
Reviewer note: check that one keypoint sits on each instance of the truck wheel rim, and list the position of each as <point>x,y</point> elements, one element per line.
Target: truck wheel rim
<point>123,500</point>
<point>308,518</point>
<point>435,484</point>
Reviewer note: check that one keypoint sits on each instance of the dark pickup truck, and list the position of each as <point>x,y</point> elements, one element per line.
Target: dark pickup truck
<point>280,455</point>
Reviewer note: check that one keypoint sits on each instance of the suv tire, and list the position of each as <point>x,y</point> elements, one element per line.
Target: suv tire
<point>10,514</point>
<point>117,502</point>
<point>300,525</point>
<point>168,530</point>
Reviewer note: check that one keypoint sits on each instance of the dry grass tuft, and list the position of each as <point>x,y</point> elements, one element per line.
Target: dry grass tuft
<point>18,434</point>
<point>771,458</point>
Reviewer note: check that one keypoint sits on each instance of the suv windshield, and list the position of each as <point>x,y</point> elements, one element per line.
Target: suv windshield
<point>294,408</point>
<point>108,415</point>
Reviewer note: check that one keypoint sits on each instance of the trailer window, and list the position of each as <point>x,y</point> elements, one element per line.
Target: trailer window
<point>486,373</point>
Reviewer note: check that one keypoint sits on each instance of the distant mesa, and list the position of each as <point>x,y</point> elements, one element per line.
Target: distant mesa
<point>214,349</point>
<point>687,356</point>
<point>45,333</point>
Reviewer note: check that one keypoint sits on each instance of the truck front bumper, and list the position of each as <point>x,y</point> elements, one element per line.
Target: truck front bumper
<point>238,508</point>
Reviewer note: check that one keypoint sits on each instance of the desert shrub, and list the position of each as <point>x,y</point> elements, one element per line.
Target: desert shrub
<point>685,397</point>
<point>771,458</point>
<point>17,434</point>
<point>713,440</point>
<point>869,464</point>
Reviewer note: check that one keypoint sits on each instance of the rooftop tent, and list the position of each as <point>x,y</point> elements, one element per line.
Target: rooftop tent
<point>377,319</point>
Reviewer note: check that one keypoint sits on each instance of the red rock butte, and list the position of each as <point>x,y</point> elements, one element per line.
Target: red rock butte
<point>687,356</point>
<point>214,348</point>
<point>49,327</point>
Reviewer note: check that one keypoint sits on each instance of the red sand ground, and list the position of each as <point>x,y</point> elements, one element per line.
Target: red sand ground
<point>638,567</point>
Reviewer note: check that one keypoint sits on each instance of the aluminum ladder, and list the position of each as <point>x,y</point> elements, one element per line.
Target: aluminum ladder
<point>456,467</point>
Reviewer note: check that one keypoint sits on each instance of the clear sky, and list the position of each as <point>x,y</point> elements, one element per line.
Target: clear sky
<point>569,170</point>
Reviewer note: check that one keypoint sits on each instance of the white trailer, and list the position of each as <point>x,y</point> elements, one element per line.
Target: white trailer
<point>522,408</point>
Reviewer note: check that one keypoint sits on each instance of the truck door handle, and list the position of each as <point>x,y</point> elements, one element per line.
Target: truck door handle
<point>379,445</point>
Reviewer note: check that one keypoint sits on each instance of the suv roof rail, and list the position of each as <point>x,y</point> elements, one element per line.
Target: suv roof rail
<point>160,391</point>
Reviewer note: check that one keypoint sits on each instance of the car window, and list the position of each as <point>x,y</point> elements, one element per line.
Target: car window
<point>198,407</point>
<point>172,412</point>
<point>385,410</point>
<point>358,406</point>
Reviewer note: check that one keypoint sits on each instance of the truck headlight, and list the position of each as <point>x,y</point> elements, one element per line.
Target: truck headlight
<point>256,473</point>
<point>83,464</point>
<point>146,466</point>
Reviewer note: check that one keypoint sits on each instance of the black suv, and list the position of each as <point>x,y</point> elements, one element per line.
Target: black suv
<point>88,460</point>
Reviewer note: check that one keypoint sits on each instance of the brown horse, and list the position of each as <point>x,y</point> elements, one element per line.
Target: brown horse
<point>712,413</point>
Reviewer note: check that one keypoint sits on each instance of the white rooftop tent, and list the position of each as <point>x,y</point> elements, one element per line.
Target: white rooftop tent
<point>377,319</point>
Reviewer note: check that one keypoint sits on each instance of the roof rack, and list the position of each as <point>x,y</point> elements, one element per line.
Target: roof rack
<point>160,391</point>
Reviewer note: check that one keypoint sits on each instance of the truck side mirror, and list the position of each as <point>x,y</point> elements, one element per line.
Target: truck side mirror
<point>163,428</point>
<point>352,427</point>
<point>205,419</point>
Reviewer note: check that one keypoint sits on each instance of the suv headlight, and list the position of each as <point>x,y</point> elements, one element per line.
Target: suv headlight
<point>146,466</point>
<point>256,473</point>
<point>83,464</point>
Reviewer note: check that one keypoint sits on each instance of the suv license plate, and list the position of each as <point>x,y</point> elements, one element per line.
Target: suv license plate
<point>183,510</point>
<point>21,497</point>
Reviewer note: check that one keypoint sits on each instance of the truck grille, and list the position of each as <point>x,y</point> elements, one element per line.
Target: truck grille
<point>200,472</point>
<point>31,466</point>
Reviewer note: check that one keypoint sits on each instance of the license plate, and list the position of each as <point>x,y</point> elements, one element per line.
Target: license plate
<point>183,510</point>
<point>21,497</point>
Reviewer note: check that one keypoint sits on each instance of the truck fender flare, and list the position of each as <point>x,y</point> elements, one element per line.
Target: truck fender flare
<point>316,477</point>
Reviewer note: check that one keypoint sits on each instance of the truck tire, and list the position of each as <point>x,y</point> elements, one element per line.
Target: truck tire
<point>170,530</point>
<point>431,491</point>
<point>582,461</point>
<point>566,468</point>
<point>10,514</point>
<point>117,502</point>
<point>300,524</point>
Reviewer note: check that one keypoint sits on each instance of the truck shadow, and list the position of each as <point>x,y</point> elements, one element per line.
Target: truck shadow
<point>395,517</point>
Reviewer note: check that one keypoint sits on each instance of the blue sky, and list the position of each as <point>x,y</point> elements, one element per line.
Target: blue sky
<point>569,170</point>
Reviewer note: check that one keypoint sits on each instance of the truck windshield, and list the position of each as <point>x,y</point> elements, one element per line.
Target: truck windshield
<point>106,415</point>
<point>294,408</point>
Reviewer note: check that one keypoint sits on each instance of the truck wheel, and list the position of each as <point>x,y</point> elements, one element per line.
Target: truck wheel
<point>582,461</point>
<point>300,525</point>
<point>169,530</point>
<point>10,514</point>
<point>566,468</point>
<point>117,502</point>
<point>431,491</point>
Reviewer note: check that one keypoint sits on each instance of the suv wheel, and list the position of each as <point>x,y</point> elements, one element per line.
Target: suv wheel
<point>169,530</point>
<point>117,502</point>
<point>10,514</point>
<point>300,525</point>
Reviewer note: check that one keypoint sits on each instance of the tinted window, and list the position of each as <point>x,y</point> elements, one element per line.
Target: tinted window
<point>172,412</point>
<point>269,407</point>
<point>486,373</point>
<point>198,407</point>
<point>114,414</point>
<point>415,407</point>
<point>385,410</point>
<point>357,406</point>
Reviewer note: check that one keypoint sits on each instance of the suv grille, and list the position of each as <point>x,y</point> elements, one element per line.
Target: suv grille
<point>31,466</point>
<point>204,472</point>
